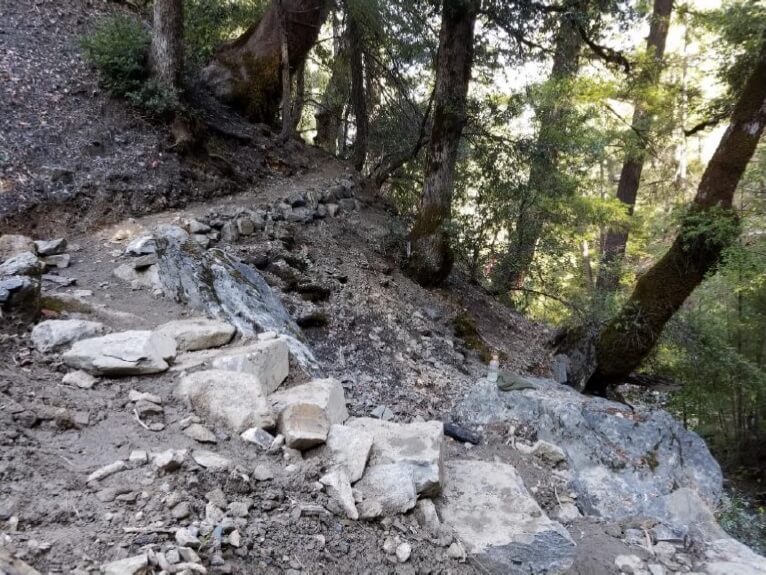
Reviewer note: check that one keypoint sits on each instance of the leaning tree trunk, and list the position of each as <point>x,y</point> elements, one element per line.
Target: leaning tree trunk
<point>358,96</point>
<point>616,240</point>
<point>247,72</point>
<point>166,55</point>
<point>543,174</point>
<point>431,258</point>
<point>710,227</point>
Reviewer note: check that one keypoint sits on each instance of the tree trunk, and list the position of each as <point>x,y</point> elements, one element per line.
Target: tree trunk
<point>336,95</point>
<point>543,174</point>
<point>710,226</point>
<point>300,95</point>
<point>287,122</point>
<point>431,256</point>
<point>246,73</point>
<point>616,240</point>
<point>166,55</point>
<point>358,96</point>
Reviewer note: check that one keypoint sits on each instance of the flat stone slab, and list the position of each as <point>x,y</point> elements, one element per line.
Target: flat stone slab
<point>123,353</point>
<point>233,400</point>
<point>500,523</point>
<point>419,444</point>
<point>197,333</point>
<point>54,334</point>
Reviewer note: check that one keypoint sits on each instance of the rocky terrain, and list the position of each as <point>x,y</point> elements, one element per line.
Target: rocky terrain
<point>251,385</point>
<point>207,372</point>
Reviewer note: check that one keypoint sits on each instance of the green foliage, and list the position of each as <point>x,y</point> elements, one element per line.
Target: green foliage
<point>210,23</point>
<point>744,520</point>
<point>119,49</point>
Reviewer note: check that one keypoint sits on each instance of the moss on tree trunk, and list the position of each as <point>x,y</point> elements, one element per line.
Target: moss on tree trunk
<point>430,260</point>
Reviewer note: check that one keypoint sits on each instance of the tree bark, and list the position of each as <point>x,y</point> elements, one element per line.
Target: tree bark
<point>710,227</point>
<point>616,240</point>
<point>336,95</point>
<point>358,96</point>
<point>431,258</point>
<point>246,73</point>
<point>166,54</point>
<point>287,122</point>
<point>543,174</point>
<point>300,95</point>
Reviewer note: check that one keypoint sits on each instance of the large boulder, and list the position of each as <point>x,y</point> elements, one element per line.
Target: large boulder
<point>419,445</point>
<point>631,458</point>
<point>197,333</point>
<point>54,334</point>
<point>233,400</point>
<point>268,360</point>
<point>220,285</point>
<point>500,523</point>
<point>123,353</point>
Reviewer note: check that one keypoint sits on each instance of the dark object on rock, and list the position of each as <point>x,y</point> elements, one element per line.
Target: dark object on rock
<point>461,434</point>
<point>512,382</point>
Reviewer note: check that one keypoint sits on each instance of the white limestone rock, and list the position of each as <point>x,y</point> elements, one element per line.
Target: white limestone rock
<point>348,449</point>
<point>233,400</point>
<point>197,333</point>
<point>327,394</point>
<point>418,444</point>
<point>53,334</point>
<point>268,360</point>
<point>123,353</point>
<point>500,523</point>
<point>338,487</point>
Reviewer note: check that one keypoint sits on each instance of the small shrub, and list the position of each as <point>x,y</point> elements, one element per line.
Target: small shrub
<point>119,49</point>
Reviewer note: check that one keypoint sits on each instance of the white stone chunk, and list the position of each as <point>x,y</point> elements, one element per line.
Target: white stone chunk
<point>419,444</point>
<point>198,333</point>
<point>338,487</point>
<point>233,400</point>
<point>124,353</point>
<point>327,394</point>
<point>348,449</point>
<point>268,360</point>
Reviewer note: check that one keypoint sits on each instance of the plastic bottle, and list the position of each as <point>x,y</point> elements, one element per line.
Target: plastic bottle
<point>494,369</point>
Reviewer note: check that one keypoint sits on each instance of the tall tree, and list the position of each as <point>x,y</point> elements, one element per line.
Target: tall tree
<point>543,174</point>
<point>336,95</point>
<point>710,226</point>
<point>166,56</point>
<point>615,240</point>
<point>247,72</point>
<point>358,95</point>
<point>431,257</point>
<point>284,48</point>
